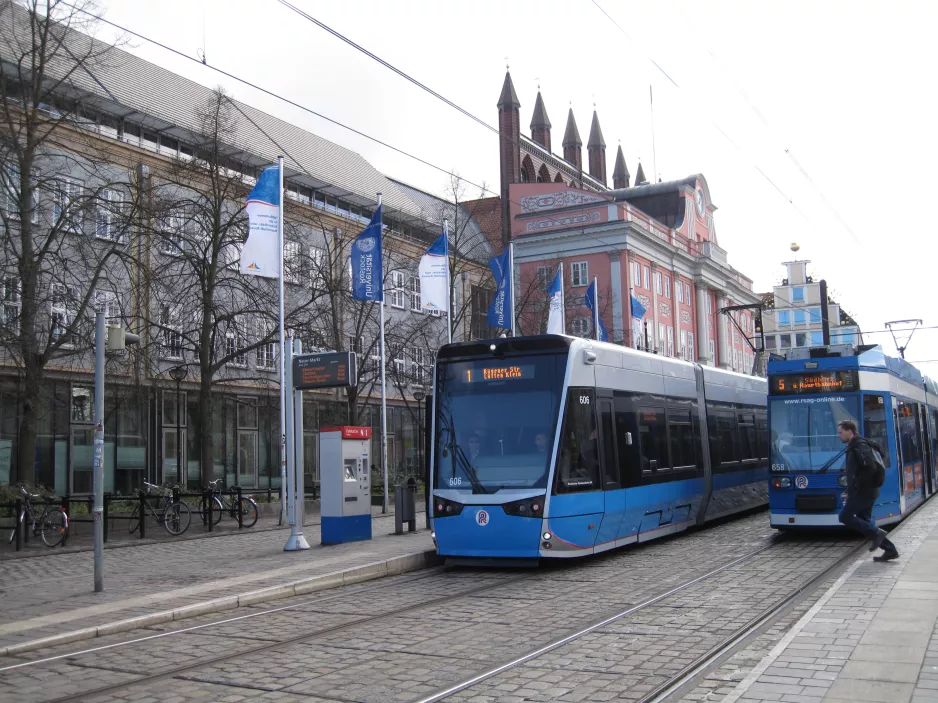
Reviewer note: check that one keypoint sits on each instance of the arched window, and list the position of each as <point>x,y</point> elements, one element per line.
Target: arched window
<point>558,178</point>
<point>527,170</point>
<point>543,175</point>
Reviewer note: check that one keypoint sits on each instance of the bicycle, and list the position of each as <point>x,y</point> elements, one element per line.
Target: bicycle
<point>174,517</point>
<point>225,503</point>
<point>51,524</point>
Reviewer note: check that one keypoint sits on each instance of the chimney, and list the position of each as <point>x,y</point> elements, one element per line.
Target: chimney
<point>596,147</point>
<point>572,144</point>
<point>620,174</point>
<point>509,137</point>
<point>540,123</point>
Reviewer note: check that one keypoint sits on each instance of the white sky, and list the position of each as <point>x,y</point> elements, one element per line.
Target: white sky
<point>847,87</point>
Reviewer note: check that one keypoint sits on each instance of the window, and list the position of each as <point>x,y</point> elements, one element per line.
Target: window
<point>545,274</point>
<point>817,339</point>
<point>687,298</point>
<point>317,273</point>
<point>658,282</point>
<point>799,317</point>
<point>10,193</point>
<point>397,290</point>
<point>662,336</point>
<point>170,334</point>
<point>723,443</point>
<point>709,305</point>
<point>581,327</point>
<point>814,316</point>
<point>874,422</point>
<point>711,350</point>
<point>771,342</point>
<point>784,318</point>
<point>579,273</point>
<point>909,436</point>
<point>172,238</point>
<point>107,211</point>
<point>670,341</point>
<point>647,273</point>
<point>801,339</point>
<point>667,286</point>
<point>797,295</point>
<point>578,460</point>
<point>653,440</point>
<point>691,349</point>
<point>266,352</point>
<point>415,294</point>
<point>292,262</point>
<point>679,289</point>
<point>65,210</point>
<point>399,367</point>
<point>784,341</point>
<point>683,446</point>
<point>748,439</point>
<point>683,349</point>
<point>375,364</point>
<point>11,301</point>
<point>635,273</point>
<point>62,310</point>
<point>107,300</point>
<point>417,364</point>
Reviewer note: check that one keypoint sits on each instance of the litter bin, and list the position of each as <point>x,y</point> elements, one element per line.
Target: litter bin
<point>404,510</point>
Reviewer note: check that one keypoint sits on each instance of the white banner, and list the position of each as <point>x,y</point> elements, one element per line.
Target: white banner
<point>260,255</point>
<point>434,277</point>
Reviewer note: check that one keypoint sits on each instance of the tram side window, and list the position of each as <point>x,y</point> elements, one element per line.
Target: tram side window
<point>683,446</point>
<point>578,461</point>
<point>748,439</point>
<point>762,434</point>
<point>627,441</point>
<point>874,422</point>
<point>653,438</point>
<point>723,444</point>
<point>908,433</point>
<point>610,458</point>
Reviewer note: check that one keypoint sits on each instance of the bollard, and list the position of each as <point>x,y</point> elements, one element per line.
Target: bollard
<point>143,513</point>
<point>18,511</point>
<point>240,512</point>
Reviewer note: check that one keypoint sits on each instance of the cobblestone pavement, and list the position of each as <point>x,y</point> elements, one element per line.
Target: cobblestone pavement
<point>368,650</point>
<point>47,595</point>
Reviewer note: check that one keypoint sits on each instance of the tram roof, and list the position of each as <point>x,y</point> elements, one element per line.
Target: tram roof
<point>872,360</point>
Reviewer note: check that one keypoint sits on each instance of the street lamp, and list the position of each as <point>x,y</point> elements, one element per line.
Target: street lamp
<point>419,395</point>
<point>178,374</point>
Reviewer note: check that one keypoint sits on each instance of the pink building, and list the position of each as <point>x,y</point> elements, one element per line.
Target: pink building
<point>654,240</point>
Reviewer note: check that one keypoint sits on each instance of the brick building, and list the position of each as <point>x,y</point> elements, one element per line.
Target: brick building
<point>657,240</point>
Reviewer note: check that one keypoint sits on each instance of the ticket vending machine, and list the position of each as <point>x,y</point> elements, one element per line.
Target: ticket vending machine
<point>345,483</point>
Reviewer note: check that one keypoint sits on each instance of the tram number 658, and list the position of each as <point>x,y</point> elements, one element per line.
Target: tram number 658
<point>584,400</point>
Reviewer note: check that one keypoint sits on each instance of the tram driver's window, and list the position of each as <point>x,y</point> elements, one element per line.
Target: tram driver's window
<point>578,459</point>
<point>875,422</point>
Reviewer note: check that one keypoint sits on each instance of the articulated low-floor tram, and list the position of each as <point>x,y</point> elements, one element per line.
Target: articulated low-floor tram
<point>553,446</point>
<point>891,403</point>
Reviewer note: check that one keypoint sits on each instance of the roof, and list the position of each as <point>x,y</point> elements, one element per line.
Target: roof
<point>640,175</point>
<point>621,170</point>
<point>571,137</point>
<point>465,232</point>
<point>508,98</point>
<point>596,134</point>
<point>130,87</point>
<point>539,118</point>
<point>665,202</point>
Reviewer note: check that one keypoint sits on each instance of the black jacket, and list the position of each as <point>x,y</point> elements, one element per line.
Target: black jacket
<point>860,465</point>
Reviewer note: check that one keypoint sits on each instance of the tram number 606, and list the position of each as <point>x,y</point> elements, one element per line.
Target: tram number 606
<point>457,481</point>
<point>584,400</point>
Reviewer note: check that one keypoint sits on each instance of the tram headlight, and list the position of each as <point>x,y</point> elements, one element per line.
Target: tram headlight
<point>842,480</point>
<point>781,482</point>
<point>547,536</point>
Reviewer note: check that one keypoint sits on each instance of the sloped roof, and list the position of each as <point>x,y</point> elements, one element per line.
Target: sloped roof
<point>508,97</point>
<point>596,134</point>
<point>621,170</point>
<point>571,137</point>
<point>131,87</point>
<point>539,118</point>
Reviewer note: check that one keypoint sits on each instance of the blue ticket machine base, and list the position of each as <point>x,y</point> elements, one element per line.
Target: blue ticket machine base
<point>345,484</point>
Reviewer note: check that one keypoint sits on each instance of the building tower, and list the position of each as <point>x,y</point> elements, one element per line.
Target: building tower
<point>540,123</point>
<point>620,174</point>
<point>640,179</point>
<point>572,144</point>
<point>596,147</point>
<point>509,131</point>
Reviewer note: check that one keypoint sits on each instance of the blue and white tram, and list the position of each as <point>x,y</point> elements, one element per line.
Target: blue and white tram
<point>553,446</point>
<point>892,404</point>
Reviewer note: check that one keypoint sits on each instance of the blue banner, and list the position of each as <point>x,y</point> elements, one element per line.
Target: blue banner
<point>594,315</point>
<point>367,265</point>
<point>556,317</point>
<point>500,309</point>
<point>638,310</point>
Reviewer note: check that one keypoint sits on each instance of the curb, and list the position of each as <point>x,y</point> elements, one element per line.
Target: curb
<point>358,574</point>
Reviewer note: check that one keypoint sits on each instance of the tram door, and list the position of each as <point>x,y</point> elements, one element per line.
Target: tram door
<point>928,455</point>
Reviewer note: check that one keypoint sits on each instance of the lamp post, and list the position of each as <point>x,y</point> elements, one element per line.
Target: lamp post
<point>419,395</point>
<point>178,374</point>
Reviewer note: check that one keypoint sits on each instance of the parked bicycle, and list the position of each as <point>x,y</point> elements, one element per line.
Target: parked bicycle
<point>226,503</point>
<point>51,524</point>
<point>174,515</point>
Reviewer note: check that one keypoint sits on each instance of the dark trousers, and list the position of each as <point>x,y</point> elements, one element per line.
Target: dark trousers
<point>857,514</point>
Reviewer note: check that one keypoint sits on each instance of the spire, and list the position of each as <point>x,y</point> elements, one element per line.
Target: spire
<point>596,134</point>
<point>620,174</point>
<point>640,179</point>
<point>508,98</point>
<point>540,123</point>
<point>571,137</point>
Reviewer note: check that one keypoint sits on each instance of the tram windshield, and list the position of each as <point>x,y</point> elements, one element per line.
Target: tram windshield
<point>804,432</point>
<point>495,422</point>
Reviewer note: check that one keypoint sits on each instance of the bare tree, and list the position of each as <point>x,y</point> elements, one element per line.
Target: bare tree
<point>67,208</point>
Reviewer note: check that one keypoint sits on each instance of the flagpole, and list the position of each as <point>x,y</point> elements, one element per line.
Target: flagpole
<point>384,393</point>
<point>284,493</point>
<point>449,291</point>
<point>596,308</point>
<point>511,282</point>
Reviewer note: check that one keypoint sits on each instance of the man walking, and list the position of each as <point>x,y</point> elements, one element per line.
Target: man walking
<point>862,490</point>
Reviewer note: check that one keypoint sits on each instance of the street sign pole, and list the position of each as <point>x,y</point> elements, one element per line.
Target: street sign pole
<point>297,538</point>
<point>100,336</point>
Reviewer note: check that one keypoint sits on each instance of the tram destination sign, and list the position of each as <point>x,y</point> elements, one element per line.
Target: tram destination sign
<point>329,370</point>
<point>845,381</point>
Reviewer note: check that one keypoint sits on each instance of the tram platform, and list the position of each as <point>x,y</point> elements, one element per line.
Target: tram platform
<point>872,636</point>
<point>50,599</point>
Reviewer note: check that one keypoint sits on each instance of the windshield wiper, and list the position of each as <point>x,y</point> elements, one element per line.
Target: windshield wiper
<point>457,453</point>
<point>830,462</point>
